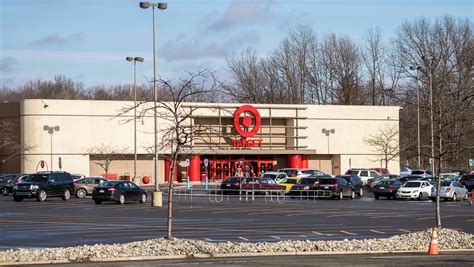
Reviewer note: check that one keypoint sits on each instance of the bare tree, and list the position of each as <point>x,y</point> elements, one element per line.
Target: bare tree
<point>104,154</point>
<point>10,145</point>
<point>385,144</point>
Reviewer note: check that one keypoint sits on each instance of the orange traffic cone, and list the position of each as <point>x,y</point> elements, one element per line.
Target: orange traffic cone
<point>433,250</point>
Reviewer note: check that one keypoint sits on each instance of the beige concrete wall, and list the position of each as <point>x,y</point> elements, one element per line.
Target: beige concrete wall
<point>86,124</point>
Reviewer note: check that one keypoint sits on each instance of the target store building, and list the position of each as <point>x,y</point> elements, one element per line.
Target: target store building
<point>329,138</point>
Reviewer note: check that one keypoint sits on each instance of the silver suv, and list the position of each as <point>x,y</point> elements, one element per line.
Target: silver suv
<point>364,174</point>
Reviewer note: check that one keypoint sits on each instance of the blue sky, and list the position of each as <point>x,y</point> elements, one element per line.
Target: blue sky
<point>88,40</point>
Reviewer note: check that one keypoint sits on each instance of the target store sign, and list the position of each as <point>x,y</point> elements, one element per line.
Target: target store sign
<point>247,122</point>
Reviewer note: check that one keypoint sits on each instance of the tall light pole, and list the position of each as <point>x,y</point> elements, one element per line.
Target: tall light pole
<point>430,59</point>
<point>51,130</point>
<point>328,132</point>
<point>135,59</point>
<point>157,194</point>
<point>417,68</point>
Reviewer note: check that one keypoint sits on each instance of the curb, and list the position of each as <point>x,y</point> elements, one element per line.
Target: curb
<point>232,255</point>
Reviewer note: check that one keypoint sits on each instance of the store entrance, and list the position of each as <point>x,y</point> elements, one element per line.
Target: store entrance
<point>222,167</point>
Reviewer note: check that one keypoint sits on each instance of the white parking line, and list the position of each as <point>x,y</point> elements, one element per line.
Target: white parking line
<point>349,233</point>
<point>318,233</point>
<point>207,239</point>
<point>243,238</point>
<point>403,230</point>
<point>276,237</point>
<point>377,232</point>
<point>303,236</point>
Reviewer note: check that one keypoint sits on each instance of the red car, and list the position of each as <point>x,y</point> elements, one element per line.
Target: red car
<point>262,186</point>
<point>381,170</point>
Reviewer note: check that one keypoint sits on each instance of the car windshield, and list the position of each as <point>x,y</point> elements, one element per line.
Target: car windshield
<point>446,183</point>
<point>290,172</point>
<point>290,181</point>
<point>386,182</point>
<point>36,178</point>
<point>417,172</point>
<point>108,184</point>
<point>412,184</point>
<point>233,180</point>
<point>271,176</point>
<point>352,173</point>
<point>307,181</point>
<point>328,181</point>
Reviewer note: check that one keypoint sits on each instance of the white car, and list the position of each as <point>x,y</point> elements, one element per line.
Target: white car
<point>364,174</point>
<point>405,171</point>
<point>450,190</point>
<point>275,176</point>
<point>415,189</point>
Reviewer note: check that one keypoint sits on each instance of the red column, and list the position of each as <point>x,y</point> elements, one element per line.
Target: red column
<point>195,168</point>
<point>304,161</point>
<point>168,169</point>
<point>294,161</point>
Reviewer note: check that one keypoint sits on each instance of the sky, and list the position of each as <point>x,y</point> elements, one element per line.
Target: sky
<point>88,40</point>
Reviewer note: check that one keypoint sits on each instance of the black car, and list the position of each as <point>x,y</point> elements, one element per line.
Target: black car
<point>387,188</point>
<point>338,186</point>
<point>118,191</point>
<point>467,181</point>
<point>43,185</point>
<point>356,182</point>
<point>231,185</point>
<point>6,185</point>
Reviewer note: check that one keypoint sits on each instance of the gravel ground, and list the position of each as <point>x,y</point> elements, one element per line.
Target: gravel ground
<point>448,239</point>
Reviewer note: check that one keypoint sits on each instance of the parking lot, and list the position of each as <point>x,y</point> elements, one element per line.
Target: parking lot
<point>79,221</point>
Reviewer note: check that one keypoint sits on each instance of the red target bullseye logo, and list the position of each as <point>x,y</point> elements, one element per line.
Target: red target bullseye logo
<point>247,120</point>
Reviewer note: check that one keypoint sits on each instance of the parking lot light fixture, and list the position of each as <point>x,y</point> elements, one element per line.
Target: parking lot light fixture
<point>418,68</point>
<point>135,59</point>
<point>157,196</point>
<point>51,130</point>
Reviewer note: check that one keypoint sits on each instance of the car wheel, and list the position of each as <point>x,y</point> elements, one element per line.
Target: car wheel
<point>143,199</point>
<point>17,198</point>
<point>121,199</point>
<point>341,195</point>
<point>353,194</point>
<point>66,194</point>
<point>455,197</point>
<point>98,202</point>
<point>361,192</point>
<point>376,197</point>
<point>420,196</point>
<point>81,193</point>
<point>5,191</point>
<point>41,195</point>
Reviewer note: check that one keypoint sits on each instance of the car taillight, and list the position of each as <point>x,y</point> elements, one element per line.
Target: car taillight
<point>235,184</point>
<point>334,185</point>
<point>112,189</point>
<point>432,189</point>
<point>448,189</point>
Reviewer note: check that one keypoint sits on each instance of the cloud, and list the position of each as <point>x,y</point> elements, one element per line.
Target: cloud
<point>8,64</point>
<point>243,13</point>
<point>182,49</point>
<point>56,39</point>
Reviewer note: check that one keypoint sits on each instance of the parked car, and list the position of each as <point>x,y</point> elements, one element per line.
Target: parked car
<point>364,174</point>
<point>415,190</point>
<point>262,186</point>
<point>85,186</point>
<point>373,181</point>
<point>356,182</point>
<point>382,171</point>
<point>6,185</point>
<point>231,185</point>
<point>275,176</point>
<point>452,176</point>
<point>118,191</point>
<point>301,173</point>
<point>303,186</point>
<point>421,173</point>
<point>386,188</point>
<point>339,187</point>
<point>429,179</point>
<point>289,182</point>
<point>450,190</point>
<point>405,171</point>
<point>43,185</point>
<point>468,181</point>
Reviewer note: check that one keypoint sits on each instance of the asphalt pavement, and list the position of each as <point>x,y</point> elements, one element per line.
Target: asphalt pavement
<point>55,222</point>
